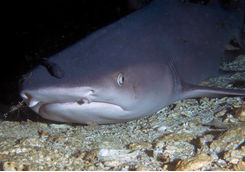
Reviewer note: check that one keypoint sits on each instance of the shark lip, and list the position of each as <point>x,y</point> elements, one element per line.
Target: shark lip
<point>99,112</point>
<point>37,105</point>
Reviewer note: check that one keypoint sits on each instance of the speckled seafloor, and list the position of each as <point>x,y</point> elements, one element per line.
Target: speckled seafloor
<point>193,134</point>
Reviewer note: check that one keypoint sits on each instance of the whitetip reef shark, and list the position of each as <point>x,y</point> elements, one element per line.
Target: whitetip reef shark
<point>135,66</point>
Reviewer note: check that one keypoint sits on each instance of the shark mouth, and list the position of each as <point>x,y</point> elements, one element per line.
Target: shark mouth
<point>70,108</point>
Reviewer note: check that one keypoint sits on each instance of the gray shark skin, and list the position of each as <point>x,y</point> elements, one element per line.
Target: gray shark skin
<point>135,66</point>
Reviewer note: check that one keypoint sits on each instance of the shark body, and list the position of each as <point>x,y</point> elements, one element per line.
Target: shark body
<point>135,66</point>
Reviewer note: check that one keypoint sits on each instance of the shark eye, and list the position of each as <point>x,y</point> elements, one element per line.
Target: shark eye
<point>120,79</point>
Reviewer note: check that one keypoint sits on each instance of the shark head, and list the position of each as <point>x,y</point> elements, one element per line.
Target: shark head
<point>103,94</point>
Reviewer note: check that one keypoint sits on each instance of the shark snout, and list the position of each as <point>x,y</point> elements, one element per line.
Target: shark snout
<point>28,99</point>
<point>57,95</point>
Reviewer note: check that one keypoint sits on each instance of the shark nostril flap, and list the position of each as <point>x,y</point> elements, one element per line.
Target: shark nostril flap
<point>33,103</point>
<point>28,99</point>
<point>25,96</point>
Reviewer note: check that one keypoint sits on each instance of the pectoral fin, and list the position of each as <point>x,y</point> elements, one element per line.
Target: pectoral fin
<point>194,91</point>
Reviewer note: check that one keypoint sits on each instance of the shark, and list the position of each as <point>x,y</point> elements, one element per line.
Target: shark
<point>135,66</point>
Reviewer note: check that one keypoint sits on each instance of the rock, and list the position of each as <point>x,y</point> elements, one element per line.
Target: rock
<point>137,146</point>
<point>198,162</point>
<point>112,163</point>
<point>178,150</point>
<point>14,166</point>
<point>220,113</point>
<point>240,166</point>
<point>118,155</point>
<point>235,156</point>
<point>240,114</point>
<point>60,126</point>
<point>143,169</point>
<point>229,140</point>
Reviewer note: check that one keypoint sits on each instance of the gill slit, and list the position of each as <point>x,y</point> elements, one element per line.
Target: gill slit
<point>177,82</point>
